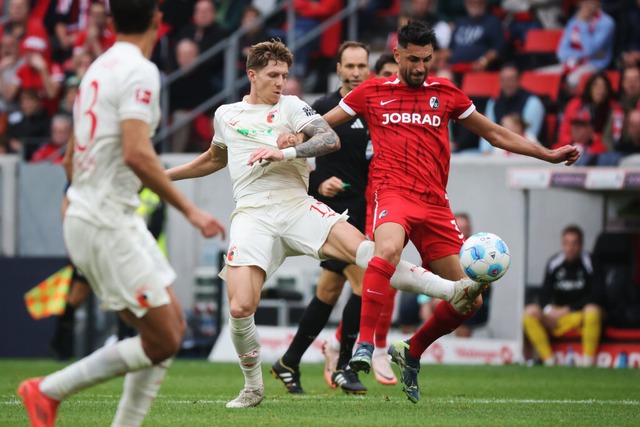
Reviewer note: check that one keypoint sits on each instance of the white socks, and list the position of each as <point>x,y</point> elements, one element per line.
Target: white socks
<point>99,366</point>
<point>139,391</point>
<point>246,341</point>
<point>409,277</point>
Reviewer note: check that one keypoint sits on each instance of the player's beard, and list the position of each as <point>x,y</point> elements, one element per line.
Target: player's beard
<point>414,80</point>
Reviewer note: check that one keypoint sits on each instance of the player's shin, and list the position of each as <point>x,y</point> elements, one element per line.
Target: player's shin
<point>139,391</point>
<point>412,278</point>
<point>246,341</point>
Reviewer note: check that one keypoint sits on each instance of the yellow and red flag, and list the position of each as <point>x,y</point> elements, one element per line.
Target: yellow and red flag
<point>49,297</point>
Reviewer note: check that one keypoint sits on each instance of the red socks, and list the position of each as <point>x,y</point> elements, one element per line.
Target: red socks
<point>444,320</point>
<point>384,321</point>
<point>375,291</point>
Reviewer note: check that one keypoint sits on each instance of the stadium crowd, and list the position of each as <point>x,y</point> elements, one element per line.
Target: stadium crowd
<point>586,54</point>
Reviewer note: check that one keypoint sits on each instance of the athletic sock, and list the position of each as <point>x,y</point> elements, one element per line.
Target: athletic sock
<point>246,341</point>
<point>409,277</point>
<point>591,329</point>
<point>445,320</point>
<point>384,321</point>
<point>374,295</point>
<point>139,391</point>
<point>314,319</point>
<point>339,330</point>
<point>101,365</point>
<point>568,322</point>
<point>538,337</point>
<point>350,328</point>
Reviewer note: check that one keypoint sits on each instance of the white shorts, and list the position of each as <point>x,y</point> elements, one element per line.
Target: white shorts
<point>269,227</point>
<point>124,267</point>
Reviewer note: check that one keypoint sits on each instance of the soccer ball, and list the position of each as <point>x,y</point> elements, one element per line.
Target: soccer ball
<point>484,257</point>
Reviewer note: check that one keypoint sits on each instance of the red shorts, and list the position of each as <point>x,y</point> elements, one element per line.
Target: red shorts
<point>431,228</point>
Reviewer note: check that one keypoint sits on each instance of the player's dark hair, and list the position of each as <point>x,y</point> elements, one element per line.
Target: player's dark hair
<point>416,33</point>
<point>385,58</point>
<point>132,16</point>
<point>260,54</point>
<point>346,45</point>
<point>574,229</point>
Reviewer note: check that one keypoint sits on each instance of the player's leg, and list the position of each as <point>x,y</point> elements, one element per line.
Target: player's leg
<point>537,333</point>
<point>314,319</point>
<point>380,362</point>
<point>244,284</point>
<point>343,376</point>
<point>591,330</point>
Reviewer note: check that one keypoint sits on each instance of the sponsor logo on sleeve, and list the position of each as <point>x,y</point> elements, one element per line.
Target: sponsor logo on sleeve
<point>143,96</point>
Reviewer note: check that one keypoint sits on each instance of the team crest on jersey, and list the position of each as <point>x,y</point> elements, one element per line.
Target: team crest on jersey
<point>434,102</point>
<point>143,296</point>
<point>383,214</point>
<point>143,96</point>
<point>232,254</point>
<point>273,116</point>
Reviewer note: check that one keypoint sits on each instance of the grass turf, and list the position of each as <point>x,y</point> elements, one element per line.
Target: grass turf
<point>195,391</point>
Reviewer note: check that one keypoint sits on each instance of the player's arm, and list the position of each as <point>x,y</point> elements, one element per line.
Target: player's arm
<point>321,140</point>
<point>212,160</point>
<point>501,137</point>
<point>140,156</point>
<point>67,160</point>
<point>337,116</point>
<point>334,118</point>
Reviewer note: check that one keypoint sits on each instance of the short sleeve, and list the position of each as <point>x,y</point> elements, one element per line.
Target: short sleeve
<point>298,113</point>
<point>353,102</point>
<point>139,94</point>
<point>217,131</point>
<point>462,105</point>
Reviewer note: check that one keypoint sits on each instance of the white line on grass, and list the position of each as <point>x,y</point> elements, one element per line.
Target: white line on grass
<point>441,401</point>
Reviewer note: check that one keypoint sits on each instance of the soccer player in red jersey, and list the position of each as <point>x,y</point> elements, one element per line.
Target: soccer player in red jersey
<point>407,115</point>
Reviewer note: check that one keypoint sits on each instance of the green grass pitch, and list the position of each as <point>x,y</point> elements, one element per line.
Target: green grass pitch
<point>195,392</point>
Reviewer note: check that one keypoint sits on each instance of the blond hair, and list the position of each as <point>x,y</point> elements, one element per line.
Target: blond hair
<point>260,54</point>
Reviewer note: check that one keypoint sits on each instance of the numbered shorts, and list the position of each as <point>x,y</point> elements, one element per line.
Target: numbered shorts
<point>431,228</point>
<point>124,267</point>
<point>269,227</point>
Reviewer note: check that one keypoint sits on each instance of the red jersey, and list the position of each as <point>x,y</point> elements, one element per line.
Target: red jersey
<point>409,132</point>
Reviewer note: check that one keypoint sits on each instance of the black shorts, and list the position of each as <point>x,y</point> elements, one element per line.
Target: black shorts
<point>357,218</point>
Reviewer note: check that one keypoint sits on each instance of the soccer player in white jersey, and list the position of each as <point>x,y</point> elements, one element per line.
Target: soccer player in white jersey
<point>115,113</point>
<point>275,217</point>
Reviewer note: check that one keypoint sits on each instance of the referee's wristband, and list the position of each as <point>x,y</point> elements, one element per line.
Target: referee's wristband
<point>289,153</point>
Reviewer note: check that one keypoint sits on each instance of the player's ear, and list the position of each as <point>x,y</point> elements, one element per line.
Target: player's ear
<point>251,74</point>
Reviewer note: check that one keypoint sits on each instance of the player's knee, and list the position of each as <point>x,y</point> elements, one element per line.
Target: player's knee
<point>388,251</point>
<point>592,308</point>
<point>533,310</point>
<point>240,310</point>
<point>329,294</point>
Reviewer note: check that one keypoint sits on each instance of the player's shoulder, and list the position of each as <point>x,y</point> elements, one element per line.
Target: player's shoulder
<point>127,59</point>
<point>225,108</point>
<point>440,81</point>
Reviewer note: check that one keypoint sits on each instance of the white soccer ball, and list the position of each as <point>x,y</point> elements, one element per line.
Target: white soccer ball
<point>484,257</point>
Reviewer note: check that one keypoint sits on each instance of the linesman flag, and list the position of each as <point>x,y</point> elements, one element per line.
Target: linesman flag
<point>49,297</point>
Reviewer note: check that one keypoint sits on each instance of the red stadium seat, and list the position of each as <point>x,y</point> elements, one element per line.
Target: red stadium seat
<point>542,84</point>
<point>482,84</point>
<point>542,41</point>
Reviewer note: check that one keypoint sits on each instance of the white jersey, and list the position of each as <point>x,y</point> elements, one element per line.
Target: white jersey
<point>242,128</point>
<point>121,84</point>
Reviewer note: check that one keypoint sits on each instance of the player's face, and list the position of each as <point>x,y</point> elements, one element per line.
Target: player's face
<point>413,63</point>
<point>388,69</point>
<point>571,246</point>
<point>267,84</point>
<point>353,68</point>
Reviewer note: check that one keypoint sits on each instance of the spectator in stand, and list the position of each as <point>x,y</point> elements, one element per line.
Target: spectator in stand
<point>72,17</point>
<point>254,35</point>
<point>631,37</point>
<point>206,32</point>
<point>385,66</point>
<point>39,73</point>
<point>630,88</point>
<point>514,99</point>
<point>293,87</point>
<point>587,42</point>
<point>582,135</point>
<point>477,41</point>
<point>71,85</point>
<point>230,13</point>
<point>630,142</point>
<point>424,11</point>
<point>187,92</point>
<point>452,10</point>
<point>310,14</point>
<point>53,151</point>
<point>10,62</point>
<point>546,12</point>
<point>20,24</point>
<point>608,115</point>
<point>570,300</point>
<point>515,123</point>
<point>97,37</point>
<point>29,126</point>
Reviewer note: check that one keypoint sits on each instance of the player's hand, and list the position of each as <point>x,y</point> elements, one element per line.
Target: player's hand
<point>208,225</point>
<point>331,187</point>
<point>286,139</point>
<point>265,154</point>
<point>567,154</point>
